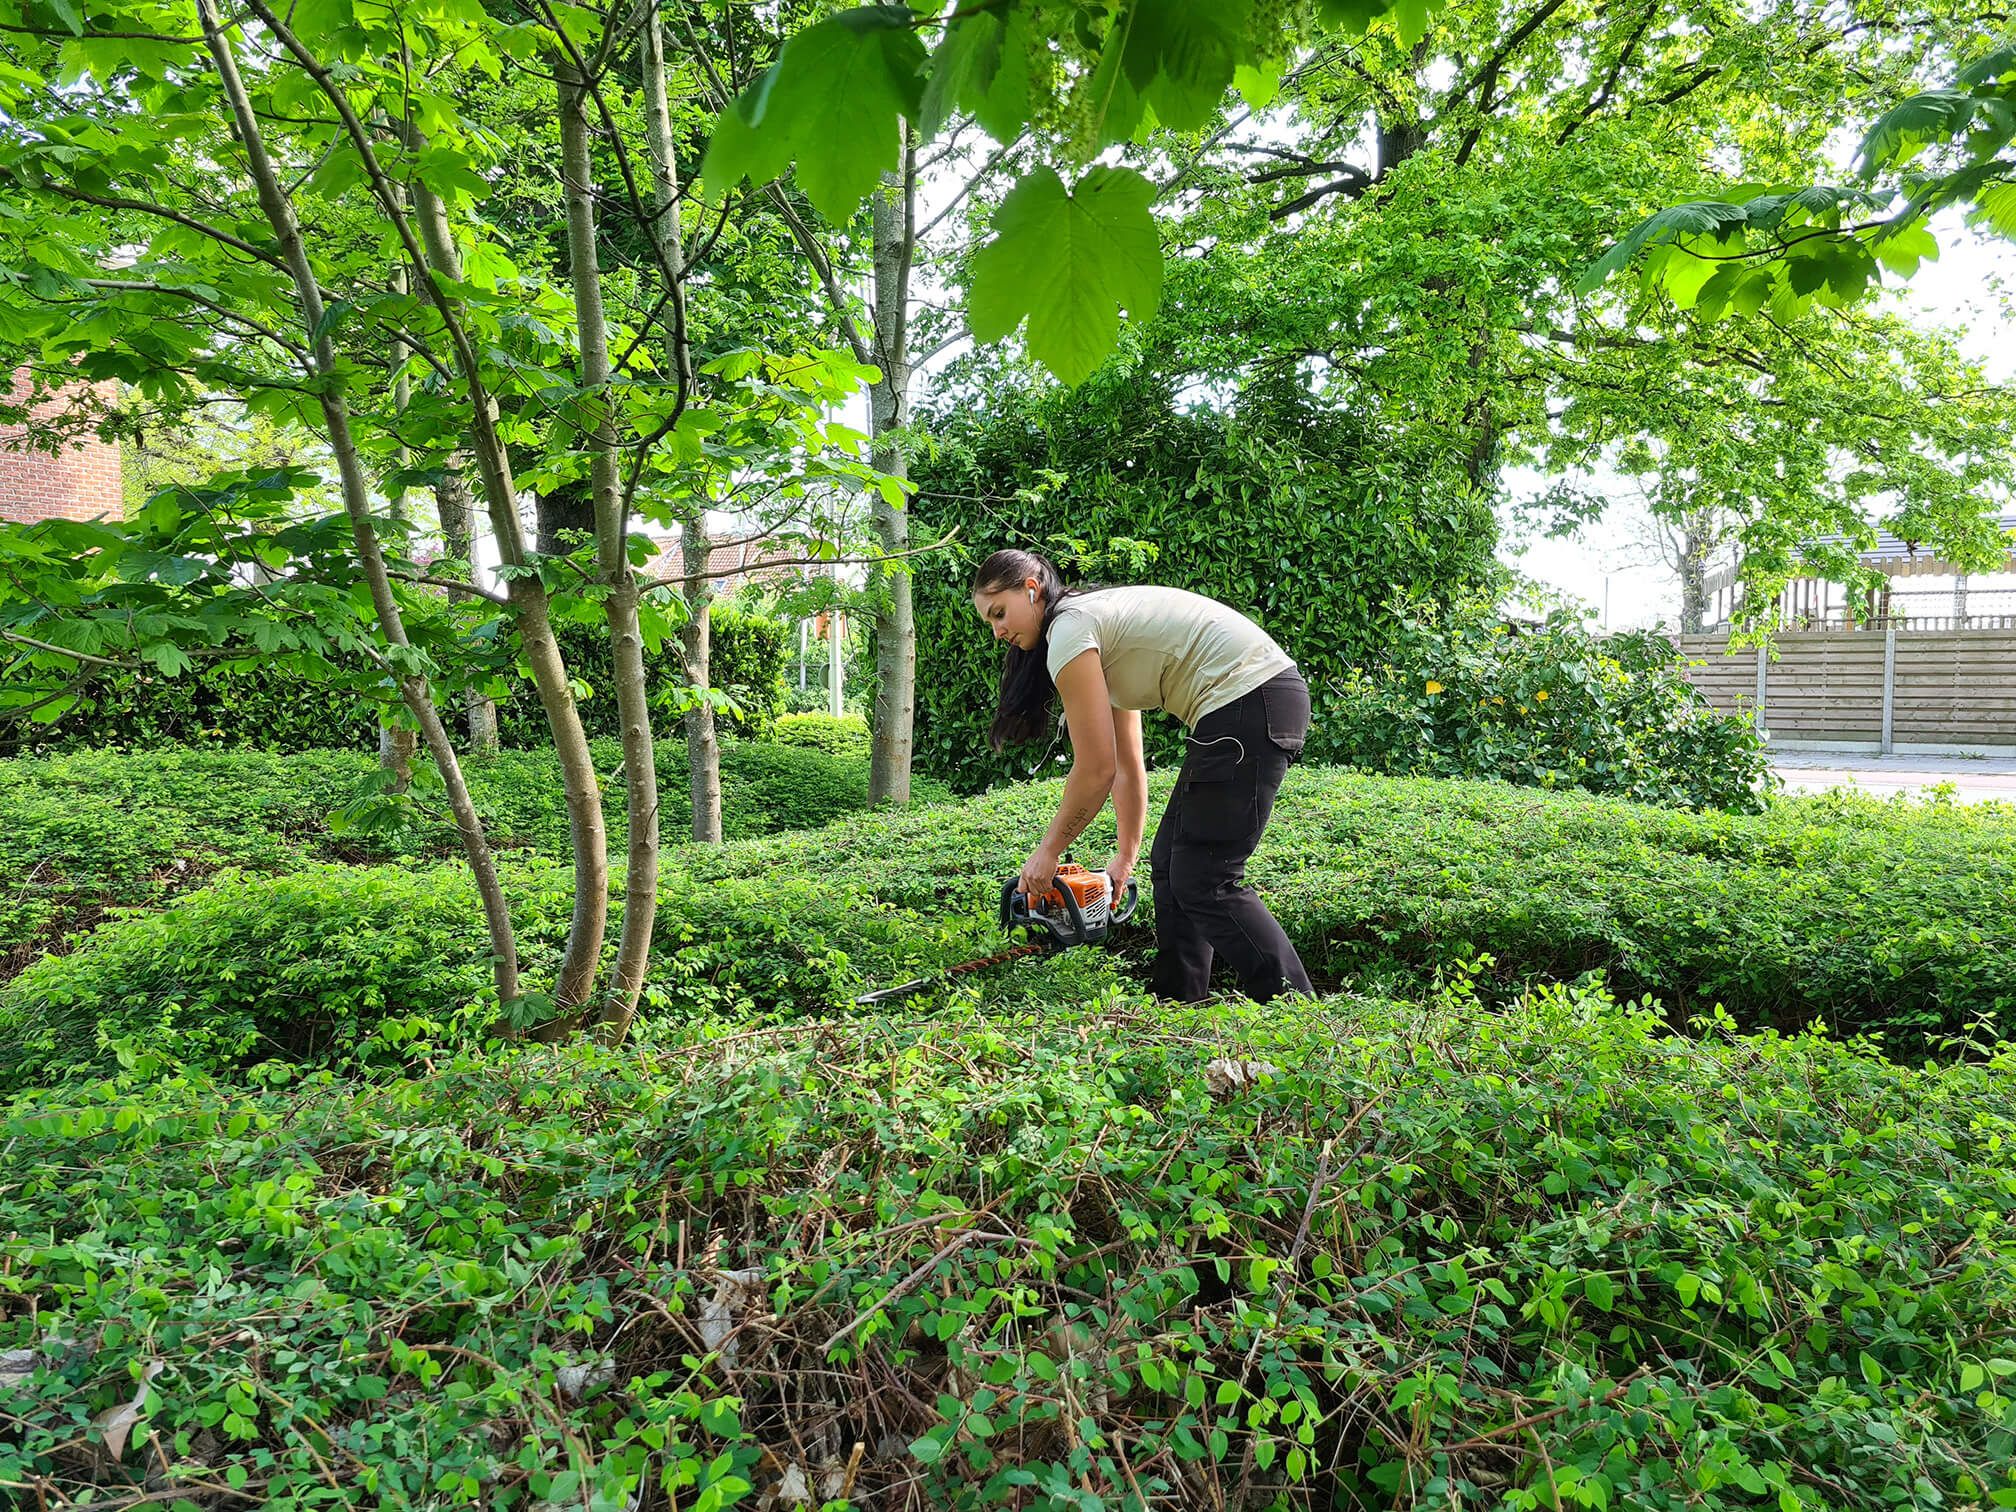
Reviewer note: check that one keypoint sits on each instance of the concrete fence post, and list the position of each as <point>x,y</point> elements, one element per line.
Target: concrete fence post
<point>1889,688</point>
<point>1757,714</point>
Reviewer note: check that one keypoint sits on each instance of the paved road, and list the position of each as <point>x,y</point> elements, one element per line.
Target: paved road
<point>1975,781</point>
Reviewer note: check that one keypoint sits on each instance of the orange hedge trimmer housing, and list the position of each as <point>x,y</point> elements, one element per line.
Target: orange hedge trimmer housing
<point>1077,909</point>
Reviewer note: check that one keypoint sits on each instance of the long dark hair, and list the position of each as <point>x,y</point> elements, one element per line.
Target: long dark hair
<point>1023,714</point>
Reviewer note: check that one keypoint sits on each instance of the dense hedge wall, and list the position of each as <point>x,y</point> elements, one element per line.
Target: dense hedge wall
<point>273,709</point>
<point>1288,513</point>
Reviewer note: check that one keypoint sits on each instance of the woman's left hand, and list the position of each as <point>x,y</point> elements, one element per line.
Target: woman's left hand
<point>1038,872</point>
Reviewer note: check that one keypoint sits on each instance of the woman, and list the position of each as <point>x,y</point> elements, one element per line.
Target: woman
<point>1112,652</point>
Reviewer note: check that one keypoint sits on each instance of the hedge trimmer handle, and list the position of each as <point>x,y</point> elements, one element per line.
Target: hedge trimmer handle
<point>1130,900</point>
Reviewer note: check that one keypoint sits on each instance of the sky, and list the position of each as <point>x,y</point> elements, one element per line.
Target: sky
<point>1971,290</point>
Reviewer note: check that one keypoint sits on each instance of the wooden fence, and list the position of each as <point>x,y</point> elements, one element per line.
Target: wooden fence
<point>1889,690</point>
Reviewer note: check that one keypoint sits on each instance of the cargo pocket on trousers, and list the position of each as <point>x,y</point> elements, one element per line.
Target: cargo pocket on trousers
<point>1287,706</point>
<point>1220,802</point>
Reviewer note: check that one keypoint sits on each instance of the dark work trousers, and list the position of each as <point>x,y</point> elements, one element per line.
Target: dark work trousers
<point>1236,758</point>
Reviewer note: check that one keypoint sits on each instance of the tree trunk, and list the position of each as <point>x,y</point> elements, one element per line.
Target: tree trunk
<point>397,744</point>
<point>356,503</point>
<point>533,621</point>
<point>703,744</point>
<point>612,564</point>
<point>895,233</point>
<point>1695,544</point>
<point>569,508</point>
<point>456,506</point>
<point>703,740</point>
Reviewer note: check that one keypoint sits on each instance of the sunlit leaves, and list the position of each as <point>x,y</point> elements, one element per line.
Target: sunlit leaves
<point>1069,261</point>
<point>832,102</point>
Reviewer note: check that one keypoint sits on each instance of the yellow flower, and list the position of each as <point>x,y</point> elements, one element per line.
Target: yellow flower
<point>1433,687</point>
<point>1541,696</point>
<point>1497,700</point>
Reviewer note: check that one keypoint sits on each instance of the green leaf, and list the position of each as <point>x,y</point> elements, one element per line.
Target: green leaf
<point>982,67</point>
<point>833,101</point>
<point>69,15</point>
<point>1995,208</point>
<point>1599,1289</point>
<point>1180,55</point>
<point>1069,261</point>
<point>1908,128</point>
<point>1872,1372</point>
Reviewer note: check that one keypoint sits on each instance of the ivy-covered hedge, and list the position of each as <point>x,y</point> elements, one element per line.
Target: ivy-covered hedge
<point>1290,514</point>
<point>1361,1253</point>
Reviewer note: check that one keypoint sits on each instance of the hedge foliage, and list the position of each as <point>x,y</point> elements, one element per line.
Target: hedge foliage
<point>279,711</point>
<point>1892,919</point>
<point>846,735</point>
<point>1457,692</point>
<point>1100,1254</point>
<point>89,831</point>
<point>1290,514</point>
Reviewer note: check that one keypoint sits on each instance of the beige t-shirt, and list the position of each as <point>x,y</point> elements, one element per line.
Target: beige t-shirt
<point>1165,648</point>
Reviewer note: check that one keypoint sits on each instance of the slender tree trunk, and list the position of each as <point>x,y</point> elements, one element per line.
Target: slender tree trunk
<point>612,564</point>
<point>533,620</point>
<point>356,502</point>
<point>456,506</point>
<point>703,739</point>
<point>895,240</point>
<point>397,744</point>
<point>703,743</point>
<point>1694,546</point>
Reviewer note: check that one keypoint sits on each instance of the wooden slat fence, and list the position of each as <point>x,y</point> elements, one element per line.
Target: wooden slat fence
<point>1895,689</point>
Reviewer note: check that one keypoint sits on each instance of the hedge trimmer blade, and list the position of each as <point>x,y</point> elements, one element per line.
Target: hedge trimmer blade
<point>1078,908</point>
<point>920,984</point>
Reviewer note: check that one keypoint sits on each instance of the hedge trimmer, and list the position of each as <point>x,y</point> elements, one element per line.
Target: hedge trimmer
<point>1076,910</point>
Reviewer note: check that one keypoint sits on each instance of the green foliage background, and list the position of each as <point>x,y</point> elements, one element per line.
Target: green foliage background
<point>1286,512</point>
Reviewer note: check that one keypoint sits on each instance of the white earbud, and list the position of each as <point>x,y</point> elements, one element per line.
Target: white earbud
<point>1032,595</point>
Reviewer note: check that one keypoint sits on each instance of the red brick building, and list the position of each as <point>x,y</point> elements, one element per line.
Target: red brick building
<point>78,481</point>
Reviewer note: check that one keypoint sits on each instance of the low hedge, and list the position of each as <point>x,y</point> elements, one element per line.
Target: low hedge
<point>364,968</point>
<point>1879,917</point>
<point>846,735</point>
<point>1352,1253</point>
<point>89,831</point>
<point>1887,917</point>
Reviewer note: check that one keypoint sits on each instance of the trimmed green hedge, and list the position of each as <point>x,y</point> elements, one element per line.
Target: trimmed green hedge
<point>1867,916</point>
<point>89,831</point>
<point>844,736</point>
<point>1436,1257</point>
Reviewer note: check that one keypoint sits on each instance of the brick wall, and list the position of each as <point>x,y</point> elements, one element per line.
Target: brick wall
<point>81,481</point>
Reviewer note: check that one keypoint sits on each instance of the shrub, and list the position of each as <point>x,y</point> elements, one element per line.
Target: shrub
<point>94,830</point>
<point>373,966</point>
<point>1896,918</point>
<point>83,832</point>
<point>1437,1258</point>
<point>320,965</point>
<point>746,660</point>
<point>1458,693</point>
<point>1298,516</point>
<point>268,709</point>
<point>844,736</point>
